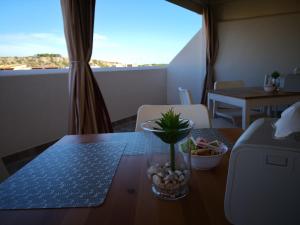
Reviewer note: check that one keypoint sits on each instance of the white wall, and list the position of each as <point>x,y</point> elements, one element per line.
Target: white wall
<point>256,38</point>
<point>187,70</point>
<point>33,110</point>
<point>34,104</point>
<point>125,90</point>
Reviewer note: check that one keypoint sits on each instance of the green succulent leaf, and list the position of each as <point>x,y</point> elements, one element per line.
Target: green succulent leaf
<point>173,127</point>
<point>275,74</point>
<point>171,121</point>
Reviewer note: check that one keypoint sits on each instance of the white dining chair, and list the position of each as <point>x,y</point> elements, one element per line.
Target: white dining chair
<point>227,111</point>
<point>185,96</point>
<point>229,84</point>
<point>224,110</point>
<point>197,113</point>
<point>186,99</point>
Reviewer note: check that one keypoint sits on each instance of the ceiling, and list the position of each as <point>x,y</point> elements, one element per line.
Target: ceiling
<point>193,5</point>
<point>197,5</point>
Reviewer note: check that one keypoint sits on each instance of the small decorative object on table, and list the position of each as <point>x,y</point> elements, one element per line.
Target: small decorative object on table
<point>272,82</point>
<point>268,86</point>
<point>205,154</point>
<point>167,169</point>
<point>276,80</point>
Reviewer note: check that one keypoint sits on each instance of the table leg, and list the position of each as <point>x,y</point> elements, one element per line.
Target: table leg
<point>265,110</point>
<point>246,116</point>
<point>210,104</point>
<point>276,111</point>
<point>214,108</point>
<point>3,171</point>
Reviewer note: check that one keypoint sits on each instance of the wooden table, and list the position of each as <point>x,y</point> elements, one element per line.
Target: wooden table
<point>250,97</point>
<point>130,200</point>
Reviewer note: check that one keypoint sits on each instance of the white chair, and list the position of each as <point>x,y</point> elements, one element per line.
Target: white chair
<point>186,99</point>
<point>185,96</point>
<point>229,84</point>
<point>197,113</point>
<point>227,111</point>
<point>224,110</point>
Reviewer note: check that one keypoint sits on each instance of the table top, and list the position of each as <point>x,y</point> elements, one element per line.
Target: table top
<point>130,200</point>
<point>252,93</point>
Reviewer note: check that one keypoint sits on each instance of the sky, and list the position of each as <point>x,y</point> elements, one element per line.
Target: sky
<point>131,31</point>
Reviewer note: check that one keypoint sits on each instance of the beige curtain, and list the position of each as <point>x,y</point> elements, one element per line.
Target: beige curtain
<point>212,46</point>
<point>87,110</point>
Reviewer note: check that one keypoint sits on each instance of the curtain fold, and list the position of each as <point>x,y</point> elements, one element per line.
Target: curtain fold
<point>87,111</point>
<point>212,46</point>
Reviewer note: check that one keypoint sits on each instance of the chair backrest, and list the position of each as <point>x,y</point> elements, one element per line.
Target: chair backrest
<point>185,96</point>
<point>197,113</point>
<point>223,85</point>
<point>228,84</point>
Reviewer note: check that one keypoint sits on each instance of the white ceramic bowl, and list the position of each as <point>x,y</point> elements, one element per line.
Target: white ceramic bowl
<point>269,88</point>
<point>200,162</point>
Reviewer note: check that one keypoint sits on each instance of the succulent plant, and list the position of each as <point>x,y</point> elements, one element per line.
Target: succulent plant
<point>171,121</point>
<point>275,74</point>
<point>171,127</point>
<point>171,130</point>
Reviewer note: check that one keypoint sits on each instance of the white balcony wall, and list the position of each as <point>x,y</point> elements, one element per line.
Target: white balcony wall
<point>33,110</point>
<point>187,70</point>
<point>124,90</point>
<point>34,104</point>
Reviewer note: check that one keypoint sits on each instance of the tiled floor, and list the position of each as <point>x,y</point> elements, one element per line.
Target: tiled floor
<point>17,161</point>
<point>127,125</point>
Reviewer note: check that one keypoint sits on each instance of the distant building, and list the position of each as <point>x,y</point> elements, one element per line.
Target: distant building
<point>131,65</point>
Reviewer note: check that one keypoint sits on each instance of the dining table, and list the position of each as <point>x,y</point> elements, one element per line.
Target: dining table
<point>130,200</point>
<point>248,98</point>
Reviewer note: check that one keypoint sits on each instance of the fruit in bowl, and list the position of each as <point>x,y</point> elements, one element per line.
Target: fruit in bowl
<point>205,154</point>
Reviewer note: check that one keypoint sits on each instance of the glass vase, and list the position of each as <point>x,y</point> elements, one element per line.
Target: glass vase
<point>169,170</point>
<point>276,83</point>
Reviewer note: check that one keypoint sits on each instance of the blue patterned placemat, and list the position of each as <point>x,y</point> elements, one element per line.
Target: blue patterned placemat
<point>70,175</point>
<point>78,175</point>
<point>140,142</point>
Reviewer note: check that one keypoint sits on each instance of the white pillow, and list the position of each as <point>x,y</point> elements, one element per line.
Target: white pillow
<point>289,122</point>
